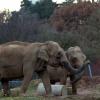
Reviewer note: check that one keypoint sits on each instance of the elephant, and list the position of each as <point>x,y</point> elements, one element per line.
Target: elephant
<point>76,58</point>
<point>16,43</point>
<point>19,60</point>
<point>5,83</point>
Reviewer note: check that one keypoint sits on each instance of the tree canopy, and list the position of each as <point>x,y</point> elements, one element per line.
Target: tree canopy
<point>44,8</point>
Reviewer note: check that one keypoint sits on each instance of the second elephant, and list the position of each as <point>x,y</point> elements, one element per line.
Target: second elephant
<point>76,58</point>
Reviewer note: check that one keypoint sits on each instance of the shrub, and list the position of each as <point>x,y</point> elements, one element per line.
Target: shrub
<point>73,15</point>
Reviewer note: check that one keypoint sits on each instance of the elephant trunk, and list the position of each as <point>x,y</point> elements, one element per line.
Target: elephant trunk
<point>71,69</point>
<point>77,77</point>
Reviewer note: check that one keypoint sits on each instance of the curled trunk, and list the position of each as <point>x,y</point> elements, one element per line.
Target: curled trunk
<point>77,77</point>
<point>73,70</point>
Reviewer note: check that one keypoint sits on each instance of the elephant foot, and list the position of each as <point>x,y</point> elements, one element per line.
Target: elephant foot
<point>6,95</point>
<point>5,85</point>
<point>48,95</point>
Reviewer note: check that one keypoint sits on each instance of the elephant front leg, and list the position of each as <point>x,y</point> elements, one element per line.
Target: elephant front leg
<point>46,81</point>
<point>5,86</point>
<point>25,83</point>
<point>74,87</point>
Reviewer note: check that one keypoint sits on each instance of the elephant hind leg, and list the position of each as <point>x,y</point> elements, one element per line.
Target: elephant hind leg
<point>5,86</point>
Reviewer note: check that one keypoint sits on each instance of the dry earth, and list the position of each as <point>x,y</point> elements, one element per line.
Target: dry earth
<point>88,89</point>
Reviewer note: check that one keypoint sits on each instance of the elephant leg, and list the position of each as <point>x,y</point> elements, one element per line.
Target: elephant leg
<point>63,78</point>
<point>63,81</point>
<point>74,87</point>
<point>46,81</point>
<point>25,83</point>
<point>5,85</point>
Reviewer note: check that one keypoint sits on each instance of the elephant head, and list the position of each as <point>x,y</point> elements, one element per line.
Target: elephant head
<point>75,56</point>
<point>55,56</point>
<point>77,59</point>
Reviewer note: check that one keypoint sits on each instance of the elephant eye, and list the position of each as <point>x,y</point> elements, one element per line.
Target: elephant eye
<point>58,55</point>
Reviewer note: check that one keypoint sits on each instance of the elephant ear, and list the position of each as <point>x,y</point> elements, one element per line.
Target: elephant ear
<point>42,54</point>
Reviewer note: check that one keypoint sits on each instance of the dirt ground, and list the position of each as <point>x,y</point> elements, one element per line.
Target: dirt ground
<point>88,89</point>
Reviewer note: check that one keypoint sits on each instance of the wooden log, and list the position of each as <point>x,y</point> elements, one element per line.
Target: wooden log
<point>57,90</point>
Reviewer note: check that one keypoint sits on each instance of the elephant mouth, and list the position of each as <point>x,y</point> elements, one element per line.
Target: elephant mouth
<point>75,66</point>
<point>74,60</point>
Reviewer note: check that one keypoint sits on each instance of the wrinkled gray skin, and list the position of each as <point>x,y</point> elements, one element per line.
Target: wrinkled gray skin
<point>76,58</point>
<point>21,59</point>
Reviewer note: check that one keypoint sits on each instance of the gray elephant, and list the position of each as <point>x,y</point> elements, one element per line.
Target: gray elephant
<point>20,60</point>
<point>76,58</point>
